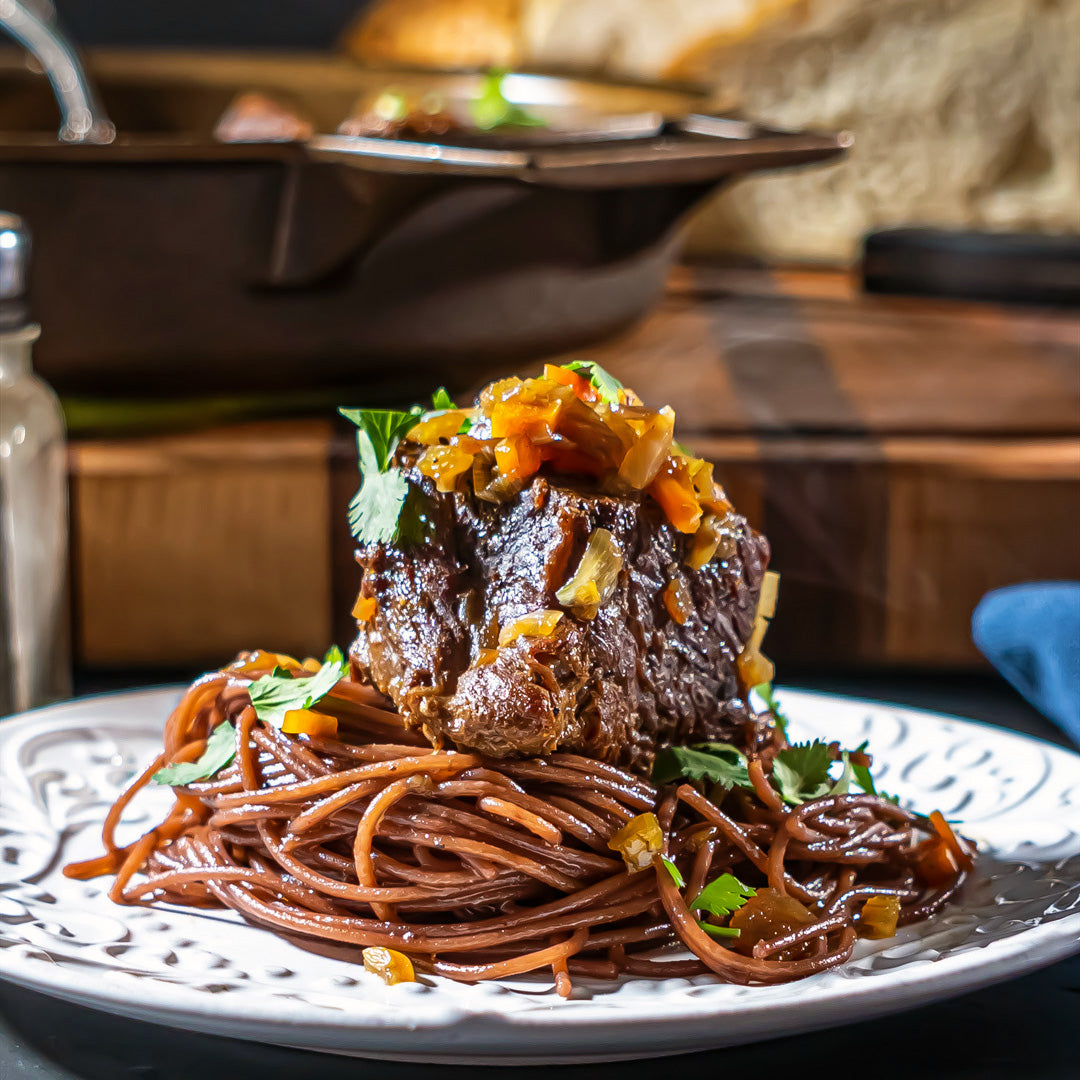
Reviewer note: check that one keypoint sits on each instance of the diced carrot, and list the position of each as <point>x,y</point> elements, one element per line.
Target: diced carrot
<point>677,601</point>
<point>364,609</point>
<point>309,722</point>
<point>934,862</point>
<point>674,491</point>
<point>582,387</point>
<point>535,419</point>
<point>517,457</point>
<point>944,830</point>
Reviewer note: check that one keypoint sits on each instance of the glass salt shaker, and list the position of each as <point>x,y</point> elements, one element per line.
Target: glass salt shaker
<point>35,664</point>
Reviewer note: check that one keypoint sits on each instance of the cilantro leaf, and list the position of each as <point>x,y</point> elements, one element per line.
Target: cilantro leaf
<point>801,772</point>
<point>491,109</point>
<point>720,763</point>
<point>767,694</point>
<point>375,511</point>
<point>333,656</point>
<point>378,433</point>
<point>605,382</point>
<point>673,870</point>
<point>275,695</point>
<point>220,750</point>
<point>842,784</point>
<point>441,400</point>
<point>723,896</point>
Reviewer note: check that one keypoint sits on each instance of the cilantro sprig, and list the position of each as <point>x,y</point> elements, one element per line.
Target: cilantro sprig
<point>278,693</point>
<point>606,383</point>
<point>386,509</point>
<point>219,752</point>
<point>722,897</point>
<point>801,772</point>
<point>718,763</point>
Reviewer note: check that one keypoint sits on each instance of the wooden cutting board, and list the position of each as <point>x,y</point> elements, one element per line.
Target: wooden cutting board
<point>903,456</point>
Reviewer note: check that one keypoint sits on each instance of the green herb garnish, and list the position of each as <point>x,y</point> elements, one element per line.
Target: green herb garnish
<point>719,763</point>
<point>865,780</point>
<point>276,694</point>
<point>719,931</point>
<point>801,772</point>
<point>605,382</point>
<point>491,109</point>
<point>767,694</point>
<point>220,750</point>
<point>386,509</point>
<point>722,897</point>
<point>441,400</point>
<point>673,870</point>
<point>842,784</point>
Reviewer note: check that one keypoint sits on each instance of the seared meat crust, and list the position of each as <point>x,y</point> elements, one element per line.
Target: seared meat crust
<point>615,687</point>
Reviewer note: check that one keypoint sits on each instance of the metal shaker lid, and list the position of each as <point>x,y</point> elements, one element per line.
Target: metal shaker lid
<point>14,265</point>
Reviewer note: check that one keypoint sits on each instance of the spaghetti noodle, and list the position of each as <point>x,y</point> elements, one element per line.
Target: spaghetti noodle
<point>478,868</point>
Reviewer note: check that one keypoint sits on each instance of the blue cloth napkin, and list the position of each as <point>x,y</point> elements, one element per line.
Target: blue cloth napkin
<point>1031,634</point>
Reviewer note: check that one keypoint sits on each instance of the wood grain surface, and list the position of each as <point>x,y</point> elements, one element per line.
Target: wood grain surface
<point>903,456</point>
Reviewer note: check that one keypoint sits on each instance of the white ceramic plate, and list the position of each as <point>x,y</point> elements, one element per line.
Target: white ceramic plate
<point>61,767</point>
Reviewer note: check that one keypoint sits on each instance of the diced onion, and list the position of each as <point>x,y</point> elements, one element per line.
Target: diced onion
<point>752,665</point>
<point>596,577</point>
<point>437,426</point>
<point>645,458</point>
<point>639,841</point>
<point>539,623</point>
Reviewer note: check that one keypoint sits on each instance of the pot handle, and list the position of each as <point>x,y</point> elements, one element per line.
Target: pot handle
<point>83,120</point>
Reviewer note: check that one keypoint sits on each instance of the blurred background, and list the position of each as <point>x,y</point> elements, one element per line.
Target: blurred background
<point>839,237</point>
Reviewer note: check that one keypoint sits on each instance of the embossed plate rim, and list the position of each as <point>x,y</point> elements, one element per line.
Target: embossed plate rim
<point>456,1029</point>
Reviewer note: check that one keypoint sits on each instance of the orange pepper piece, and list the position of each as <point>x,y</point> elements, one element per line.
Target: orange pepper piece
<point>517,457</point>
<point>308,722</point>
<point>364,609</point>
<point>582,387</point>
<point>674,491</point>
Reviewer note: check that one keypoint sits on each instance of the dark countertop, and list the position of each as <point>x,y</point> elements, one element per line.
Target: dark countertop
<point>1024,1028</point>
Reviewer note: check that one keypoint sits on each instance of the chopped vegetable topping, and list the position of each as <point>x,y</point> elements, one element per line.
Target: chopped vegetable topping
<point>540,623</point>
<point>753,666</point>
<point>275,695</point>
<point>770,914</point>
<point>220,750</point>
<point>944,830</point>
<point>677,601</point>
<point>310,723</point>
<point>674,491</point>
<point>593,583</point>
<point>364,609</point>
<point>719,763</point>
<point>390,965</point>
<point>638,842</point>
<point>576,419</point>
<point>610,389</point>
<point>879,917</point>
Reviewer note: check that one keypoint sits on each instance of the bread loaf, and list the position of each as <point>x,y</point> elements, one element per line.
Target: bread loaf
<point>966,113</point>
